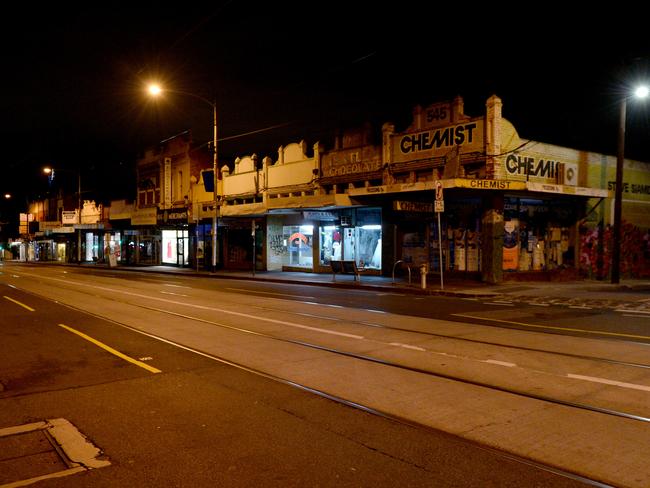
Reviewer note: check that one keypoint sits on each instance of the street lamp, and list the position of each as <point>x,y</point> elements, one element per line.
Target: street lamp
<point>156,90</point>
<point>51,171</point>
<point>640,92</point>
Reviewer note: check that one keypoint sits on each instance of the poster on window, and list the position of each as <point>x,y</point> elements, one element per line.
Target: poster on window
<point>510,246</point>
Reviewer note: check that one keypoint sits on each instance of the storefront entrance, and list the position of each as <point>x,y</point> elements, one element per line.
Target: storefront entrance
<point>175,247</point>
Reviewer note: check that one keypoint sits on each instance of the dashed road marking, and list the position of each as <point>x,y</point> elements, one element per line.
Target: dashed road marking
<point>111,350</point>
<point>19,303</point>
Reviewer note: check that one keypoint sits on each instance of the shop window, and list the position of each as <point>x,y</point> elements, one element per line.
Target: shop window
<point>537,234</point>
<point>298,242</point>
<point>361,244</point>
<point>175,247</point>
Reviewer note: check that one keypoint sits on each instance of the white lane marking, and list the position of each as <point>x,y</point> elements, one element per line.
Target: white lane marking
<point>172,293</point>
<point>271,293</point>
<point>320,317</point>
<point>370,324</point>
<point>540,304</point>
<point>406,346</point>
<point>503,304</point>
<point>500,363</point>
<point>214,309</point>
<point>176,286</point>
<point>581,307</point>
<point>609,382</point>
<point>373,311</point>
<point>625,310</point>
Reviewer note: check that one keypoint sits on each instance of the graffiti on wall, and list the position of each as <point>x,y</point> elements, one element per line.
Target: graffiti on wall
<point>596,251</point>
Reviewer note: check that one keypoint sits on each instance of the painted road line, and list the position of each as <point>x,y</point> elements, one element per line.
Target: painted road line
<point>406,346</point>
<point>567,329</point>
<point>500,363</point>
<point>111,350</point>
<point>19,303</point>
<point>215,309</point>
<point>539,304</point>
<point>624,310</point>
<point>271,293</point>
<point>609,382</point>
<point>580,307</point>
<point>503,304</point>
<point>172,293</point>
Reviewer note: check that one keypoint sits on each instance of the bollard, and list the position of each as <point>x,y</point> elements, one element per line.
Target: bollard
<point>423,276</point>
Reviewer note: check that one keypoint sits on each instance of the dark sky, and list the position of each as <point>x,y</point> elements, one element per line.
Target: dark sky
<point>73,77</point>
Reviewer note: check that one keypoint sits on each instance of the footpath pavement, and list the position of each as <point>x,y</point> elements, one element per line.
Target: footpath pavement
<point>630,294</point>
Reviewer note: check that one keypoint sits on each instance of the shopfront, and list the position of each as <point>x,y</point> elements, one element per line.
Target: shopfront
<point>310,240</point>
<point>176,247</point>
<point>539,234</point>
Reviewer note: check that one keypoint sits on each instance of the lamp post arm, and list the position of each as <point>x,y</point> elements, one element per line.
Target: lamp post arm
<point>213,104</point>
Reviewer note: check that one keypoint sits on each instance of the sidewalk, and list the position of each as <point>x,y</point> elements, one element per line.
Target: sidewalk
<point>628,293</point>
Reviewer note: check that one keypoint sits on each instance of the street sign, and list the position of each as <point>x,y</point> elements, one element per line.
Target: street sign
<point>440,202</point>
<point>439,196</point>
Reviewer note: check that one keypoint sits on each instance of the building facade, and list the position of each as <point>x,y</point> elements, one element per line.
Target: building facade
<point>453,193</point>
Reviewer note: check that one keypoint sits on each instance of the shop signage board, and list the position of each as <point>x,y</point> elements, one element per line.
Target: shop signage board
<point>404,206</point>
<point>435,142</point>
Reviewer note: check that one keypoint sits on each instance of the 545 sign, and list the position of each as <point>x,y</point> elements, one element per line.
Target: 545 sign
<point>438,114</point>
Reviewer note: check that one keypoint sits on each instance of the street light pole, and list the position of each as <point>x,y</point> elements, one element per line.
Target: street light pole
<point>618,195</point>
<point>155,90</point>
<point>215,217</point>
<point>79,207</point>
<point>640,92</point>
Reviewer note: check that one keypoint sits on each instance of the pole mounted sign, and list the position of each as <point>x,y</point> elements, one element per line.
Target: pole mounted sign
<point>440,202</point>
<point>439,205</point>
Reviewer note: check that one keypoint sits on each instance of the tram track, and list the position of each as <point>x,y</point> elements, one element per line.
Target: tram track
<point>385,362</point>
<point>360,357</point>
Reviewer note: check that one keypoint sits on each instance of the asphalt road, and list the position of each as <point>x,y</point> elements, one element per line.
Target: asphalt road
<point>200,422</point>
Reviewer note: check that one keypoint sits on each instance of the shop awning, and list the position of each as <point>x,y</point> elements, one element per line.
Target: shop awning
<point>297,202</point>
<point>483,184</point>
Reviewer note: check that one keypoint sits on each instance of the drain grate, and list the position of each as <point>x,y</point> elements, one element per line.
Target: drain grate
<point>41,450</point>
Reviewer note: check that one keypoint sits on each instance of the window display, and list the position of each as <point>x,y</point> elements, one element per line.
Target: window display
<point>537,234</point>
<point>175,247</point>
<point>298,241</point>
<point>361,244</point>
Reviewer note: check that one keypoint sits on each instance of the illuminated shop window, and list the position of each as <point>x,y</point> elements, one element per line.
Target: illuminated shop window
<point>298,241</point>
<point>175,247</point>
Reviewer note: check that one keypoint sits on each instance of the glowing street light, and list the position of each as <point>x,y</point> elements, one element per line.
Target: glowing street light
<point>156,90</point>
<point>639,92</point>
<point>50,171</point>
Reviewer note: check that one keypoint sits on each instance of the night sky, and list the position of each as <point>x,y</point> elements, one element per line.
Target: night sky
<point>73,78</point>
